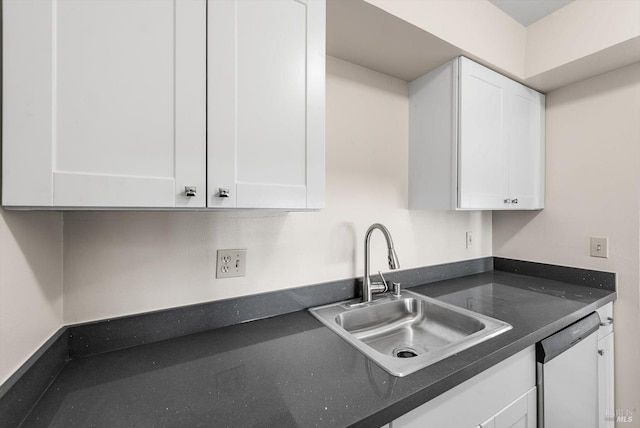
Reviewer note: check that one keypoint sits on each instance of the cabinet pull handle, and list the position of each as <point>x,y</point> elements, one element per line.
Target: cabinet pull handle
<point>190,191</point>
<point>601,352</point>
<point>514,201</point>
<point>609,321</point>
<point>507,201</point>
<point>223,193</point>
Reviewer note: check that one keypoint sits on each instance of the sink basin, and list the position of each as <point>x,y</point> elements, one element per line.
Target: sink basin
<point>407,333</point>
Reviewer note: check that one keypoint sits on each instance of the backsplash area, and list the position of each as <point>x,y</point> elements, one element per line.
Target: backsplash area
<point>120,263</point>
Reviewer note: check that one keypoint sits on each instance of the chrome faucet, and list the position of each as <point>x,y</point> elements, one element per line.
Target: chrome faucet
<point>368,288</point>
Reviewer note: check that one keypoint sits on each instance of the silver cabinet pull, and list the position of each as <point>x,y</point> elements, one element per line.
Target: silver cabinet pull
<point>223,193</point>
<point>514,201</point>
<point>507,201</point>
<point>609,321</point>
<point>190,190</point>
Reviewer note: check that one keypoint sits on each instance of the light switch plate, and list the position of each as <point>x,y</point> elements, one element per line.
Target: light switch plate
<point>469,239</point>
<point>231,263</point>
<point>599,247</point>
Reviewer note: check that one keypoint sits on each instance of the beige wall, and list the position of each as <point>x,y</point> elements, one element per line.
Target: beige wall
<point>583,39</point>
<point>477,27</point>
<point>592,189</point>
<point>30,284</point>
<point>578,30</point>
<point>119,263</point>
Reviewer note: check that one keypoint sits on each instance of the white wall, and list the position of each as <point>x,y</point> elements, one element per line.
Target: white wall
<point>119,263</point>
<point>30,284</point>
<point>592,189</point>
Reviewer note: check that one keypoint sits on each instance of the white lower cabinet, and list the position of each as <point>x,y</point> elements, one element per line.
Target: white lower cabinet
<point>501,396</point>
<point>606,394</point>
<point>519,414</point>
<point>606,402</point>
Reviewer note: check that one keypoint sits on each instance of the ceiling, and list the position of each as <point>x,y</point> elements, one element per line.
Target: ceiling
<point>526,12</point>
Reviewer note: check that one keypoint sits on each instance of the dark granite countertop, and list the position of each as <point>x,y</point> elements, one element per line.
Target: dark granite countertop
<point>290,370</point>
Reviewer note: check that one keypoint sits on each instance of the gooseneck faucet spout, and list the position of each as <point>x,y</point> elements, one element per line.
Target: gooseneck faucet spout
<point>368,288</point>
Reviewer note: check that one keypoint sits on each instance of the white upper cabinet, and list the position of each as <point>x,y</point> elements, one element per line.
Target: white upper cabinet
<point>265,120</point>
<point>476,140</point>
<point>159,104</point>
<point>104,103</point>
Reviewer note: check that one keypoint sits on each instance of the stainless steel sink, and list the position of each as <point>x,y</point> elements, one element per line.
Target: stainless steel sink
<point>407,333</point>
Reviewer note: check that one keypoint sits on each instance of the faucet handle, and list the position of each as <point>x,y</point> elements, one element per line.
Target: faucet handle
<point>384,282</point>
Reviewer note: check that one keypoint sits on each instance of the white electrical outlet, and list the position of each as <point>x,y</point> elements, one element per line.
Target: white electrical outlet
<point>469,239</point>
<point>231,263</point>
<point>599,247</point>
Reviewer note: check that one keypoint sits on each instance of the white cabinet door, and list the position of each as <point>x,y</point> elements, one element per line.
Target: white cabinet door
<point>606,392</point>
<point>606,371</point>
<point>266,103</point>
<point>483,156</point>
<point>522,413</point>
<point>501,150</point>
<point>104,103</point>
<point>524,124</point>
<point>482,398</point>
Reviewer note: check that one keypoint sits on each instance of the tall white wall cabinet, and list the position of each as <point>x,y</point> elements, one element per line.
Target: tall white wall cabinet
<point>476,140</point>
<point>161,104</point>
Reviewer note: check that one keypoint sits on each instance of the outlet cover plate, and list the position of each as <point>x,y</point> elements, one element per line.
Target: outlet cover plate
<point>231,263</point>
<point>599,247</point>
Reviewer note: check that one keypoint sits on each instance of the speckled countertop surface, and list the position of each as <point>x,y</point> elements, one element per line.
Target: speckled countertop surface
<point>290,370</point>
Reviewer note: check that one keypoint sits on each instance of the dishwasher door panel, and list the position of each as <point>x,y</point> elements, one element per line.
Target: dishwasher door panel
<point>568,387</point>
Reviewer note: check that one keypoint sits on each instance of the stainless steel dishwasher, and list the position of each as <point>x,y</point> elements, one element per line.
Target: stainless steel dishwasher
<point>567,372</point>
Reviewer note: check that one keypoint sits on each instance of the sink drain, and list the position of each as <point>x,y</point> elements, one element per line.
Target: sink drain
<point>405,352</point>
